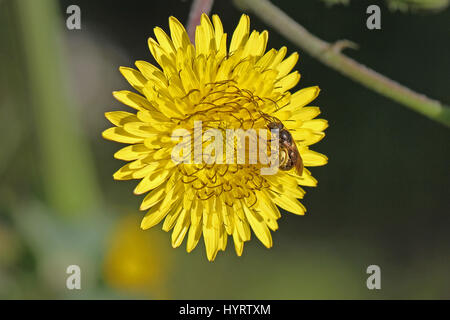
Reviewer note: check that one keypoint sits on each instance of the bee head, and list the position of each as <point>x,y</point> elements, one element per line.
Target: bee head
<point>285,136</point>
<point>275,125</point>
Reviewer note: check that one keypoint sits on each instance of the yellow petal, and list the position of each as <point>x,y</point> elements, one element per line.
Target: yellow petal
<point>179,35</point>
<point>241,33</point>
<point>242,227</point>
<point>262,43</point>
<point>189,79</point>
<point>152,73</point>
<point>256,44</point>
<point>278,58</point>
<point>306,179</point>
<point>146,169</point>
<point>165,106</point>
<point>154,142</point>
<point>132,100</point>
<point>288,82</point>
<point>120,135</point>
<point>124,173</point>
<point>141,162</point>
<point>154,216</point>
<point>132,152</point>
<point>140,129</point>
<point>171,218</point>
<point>222,48</point>
<point>218,30</point>
<point>286,66</point>
<point>151,116</point>
<point>195,232</point>
<point>305,113</point>
<point>266,59</point>
<point>173,196</point>
<point>288,204</point>
<point>164,41</point>
<point>151,181</point>
<point>259,226</point>
<point>238,243</point>
<point>180,229</point>
<point>204,36</point>
<point>272,224</point>
<point>227,217</point>
<point>134,77</point>
<point>266,207</point>
<point>197,212</point>
<point>316,124</point>
<point>162,154</point>
<point>223,237</point>
<point>306,137</point>
<point>312,158</point>
<point>285,184</point>
<point>119,118</point>
<point>156,51</point>
<point>154,197</point>
<point>211,239</point>
<point>303,97</point>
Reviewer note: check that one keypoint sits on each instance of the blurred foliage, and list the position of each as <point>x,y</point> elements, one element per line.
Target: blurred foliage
<point>405,5</point>
<point>65,161</point>
<point>335,2</point>
<point>418,5</point>
<point>381,200</point>
<point>135,262</point>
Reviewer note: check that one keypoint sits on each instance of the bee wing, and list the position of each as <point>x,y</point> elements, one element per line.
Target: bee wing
<point>299,166</point>
<point>299,160</point>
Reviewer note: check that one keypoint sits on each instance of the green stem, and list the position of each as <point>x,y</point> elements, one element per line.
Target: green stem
<point>330,55</point>
<point>65,160</point>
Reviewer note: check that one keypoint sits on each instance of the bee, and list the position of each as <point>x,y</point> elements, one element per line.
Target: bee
<point>289,155</point>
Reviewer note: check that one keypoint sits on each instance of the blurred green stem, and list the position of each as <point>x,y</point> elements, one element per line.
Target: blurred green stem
<point>68,175</point>
<point>330,55</point>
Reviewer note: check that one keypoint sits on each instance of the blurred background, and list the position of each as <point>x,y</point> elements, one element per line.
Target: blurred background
<point>383,198</point>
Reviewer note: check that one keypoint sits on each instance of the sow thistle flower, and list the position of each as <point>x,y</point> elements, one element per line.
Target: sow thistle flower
<point>235,86</point>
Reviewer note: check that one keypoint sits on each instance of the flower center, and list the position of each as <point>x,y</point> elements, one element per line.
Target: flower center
<point>222,106</point>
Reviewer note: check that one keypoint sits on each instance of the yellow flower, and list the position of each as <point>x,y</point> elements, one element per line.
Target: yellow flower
<point>134,261</point>
<point>239,87</point>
